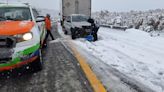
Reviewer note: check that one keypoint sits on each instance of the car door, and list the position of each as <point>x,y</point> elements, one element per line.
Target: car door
<point>41,26</point>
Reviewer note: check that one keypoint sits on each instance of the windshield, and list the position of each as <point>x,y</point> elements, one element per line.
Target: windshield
<point>79,18</point>
<point>15,13</point>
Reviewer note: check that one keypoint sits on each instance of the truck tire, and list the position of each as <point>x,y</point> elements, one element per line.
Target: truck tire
<point>65,32</point>
<point>37,65</point>
<point>73,35</point>
<point>44,45</point>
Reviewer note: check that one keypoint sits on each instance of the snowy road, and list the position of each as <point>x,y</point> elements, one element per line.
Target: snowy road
<point>133,53</point>
<point>60,74</point>
<point>129,61</point>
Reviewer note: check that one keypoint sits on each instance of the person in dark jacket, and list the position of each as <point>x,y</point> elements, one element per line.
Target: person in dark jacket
<point>94,28</point>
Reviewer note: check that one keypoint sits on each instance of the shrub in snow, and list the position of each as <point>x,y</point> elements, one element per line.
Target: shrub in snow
<point>145,20</point>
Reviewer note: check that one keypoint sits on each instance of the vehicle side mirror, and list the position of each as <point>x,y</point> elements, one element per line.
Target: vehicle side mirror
<point>40,19</point>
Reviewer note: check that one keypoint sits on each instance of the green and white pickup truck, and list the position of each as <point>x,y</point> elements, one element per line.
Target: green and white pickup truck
<point>22,32</point>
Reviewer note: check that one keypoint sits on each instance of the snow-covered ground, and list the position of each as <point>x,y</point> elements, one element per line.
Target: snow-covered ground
<point>133,52</point>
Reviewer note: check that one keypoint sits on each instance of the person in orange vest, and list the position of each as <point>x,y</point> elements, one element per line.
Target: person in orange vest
<point>48,27</point>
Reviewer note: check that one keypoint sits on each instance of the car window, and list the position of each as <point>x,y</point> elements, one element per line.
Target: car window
<point>35,12</point>
<point>15,13</point>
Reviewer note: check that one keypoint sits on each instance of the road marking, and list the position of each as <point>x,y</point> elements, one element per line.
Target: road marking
<point>94,81</point>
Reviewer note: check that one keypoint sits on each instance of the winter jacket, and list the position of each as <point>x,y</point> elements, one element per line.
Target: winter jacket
<point>48,23</point>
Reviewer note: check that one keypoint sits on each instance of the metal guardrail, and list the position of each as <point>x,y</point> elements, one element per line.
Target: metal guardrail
<point>115,27</point>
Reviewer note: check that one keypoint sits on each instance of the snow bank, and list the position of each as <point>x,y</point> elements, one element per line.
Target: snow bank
<point>133,52</point>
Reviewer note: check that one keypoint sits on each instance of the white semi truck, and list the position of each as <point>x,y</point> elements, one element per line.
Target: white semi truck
<point>76,19</point>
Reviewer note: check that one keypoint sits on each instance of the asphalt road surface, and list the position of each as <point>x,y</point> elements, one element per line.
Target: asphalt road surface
<point>60,74</point>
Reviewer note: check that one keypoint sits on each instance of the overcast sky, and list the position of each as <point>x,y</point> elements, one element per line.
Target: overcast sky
<point>127,5</point>
<point>111,5</point>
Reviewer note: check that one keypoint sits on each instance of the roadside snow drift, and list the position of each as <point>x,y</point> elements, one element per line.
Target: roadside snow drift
<point>133,52</point>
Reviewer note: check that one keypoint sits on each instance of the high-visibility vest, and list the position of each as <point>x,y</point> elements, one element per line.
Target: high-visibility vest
<point>48,23</point>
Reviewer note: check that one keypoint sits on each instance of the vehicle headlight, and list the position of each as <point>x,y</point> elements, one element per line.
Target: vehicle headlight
<point>23,37</point>
<point>27,36</point>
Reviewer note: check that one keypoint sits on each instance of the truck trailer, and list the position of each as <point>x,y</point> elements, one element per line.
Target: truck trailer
<point>69,7</point>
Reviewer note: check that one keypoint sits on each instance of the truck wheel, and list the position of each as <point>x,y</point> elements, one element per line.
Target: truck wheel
<point>73,36</point>
<point>44,45</point>
<point>37,65</point>
<point>65,32</point>
<point>73,33</point>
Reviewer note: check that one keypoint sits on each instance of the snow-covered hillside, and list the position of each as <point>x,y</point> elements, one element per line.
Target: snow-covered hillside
<point>133,52</point>
<point>144,20</point>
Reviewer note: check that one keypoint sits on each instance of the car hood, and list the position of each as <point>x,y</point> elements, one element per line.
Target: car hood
<point>80,24</point>
<point>15,27</point>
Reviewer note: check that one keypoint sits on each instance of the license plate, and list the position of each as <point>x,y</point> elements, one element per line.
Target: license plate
<point>87,30</point>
